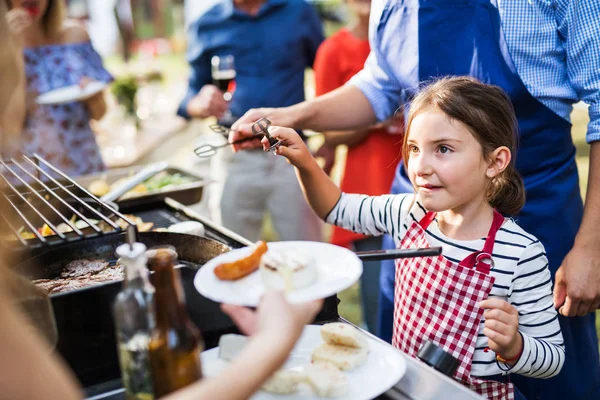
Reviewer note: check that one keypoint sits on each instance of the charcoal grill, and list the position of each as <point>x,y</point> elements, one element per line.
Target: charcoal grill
<point>39,194</point>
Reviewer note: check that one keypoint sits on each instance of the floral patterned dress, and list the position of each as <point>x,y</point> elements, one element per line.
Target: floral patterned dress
<point>61,133</point>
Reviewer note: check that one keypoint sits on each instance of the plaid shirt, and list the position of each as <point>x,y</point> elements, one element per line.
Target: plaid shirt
<point>554,45</point>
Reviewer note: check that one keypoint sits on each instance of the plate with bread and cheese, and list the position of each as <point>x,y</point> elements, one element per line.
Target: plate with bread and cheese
<point>304,271</point>
<point>335,360</point>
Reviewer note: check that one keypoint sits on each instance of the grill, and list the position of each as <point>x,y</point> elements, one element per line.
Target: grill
<point>41,195</point>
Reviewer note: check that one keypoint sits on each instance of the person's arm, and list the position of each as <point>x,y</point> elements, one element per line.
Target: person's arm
<point>29,369</point>
<point>275,328</point>
<point>541,344</point>
<point>328,77</point>
<point>342,109</point>
<point>370,215</point>
<point>577,287</point>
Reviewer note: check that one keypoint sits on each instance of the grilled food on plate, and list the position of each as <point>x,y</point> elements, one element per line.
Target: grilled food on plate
<point>284,381</point>
<point>325,379</point>
<point>345,346</point>
<point>338,333</point>
<point>234,270</point>
<point>343,357</point>
<point>287,270</point>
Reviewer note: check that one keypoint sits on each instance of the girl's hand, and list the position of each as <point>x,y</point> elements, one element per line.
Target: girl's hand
<point>502,328</point>
<point>293,147</point>
<point>274,316</point>
<point>18,20</point>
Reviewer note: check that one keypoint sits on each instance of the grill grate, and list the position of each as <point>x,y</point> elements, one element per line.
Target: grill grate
<point>43,196</point>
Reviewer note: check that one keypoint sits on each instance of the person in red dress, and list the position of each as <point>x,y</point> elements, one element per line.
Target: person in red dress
<point>373,153</point>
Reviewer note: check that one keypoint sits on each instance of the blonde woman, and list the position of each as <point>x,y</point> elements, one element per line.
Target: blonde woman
<point>56,53</point>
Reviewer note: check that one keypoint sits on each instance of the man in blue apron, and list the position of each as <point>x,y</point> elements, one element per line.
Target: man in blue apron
<point>546,56</point>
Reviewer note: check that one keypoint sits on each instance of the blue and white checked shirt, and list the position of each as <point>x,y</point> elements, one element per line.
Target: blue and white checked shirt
<point>554,45</point>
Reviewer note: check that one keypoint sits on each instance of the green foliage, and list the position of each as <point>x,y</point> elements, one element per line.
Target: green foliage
<point>124,89</point>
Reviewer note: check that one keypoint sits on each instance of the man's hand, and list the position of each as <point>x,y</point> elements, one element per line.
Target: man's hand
<point>243,127</point>
<point>502,328</point>
<point>577,282</point>
<point>209,102</point>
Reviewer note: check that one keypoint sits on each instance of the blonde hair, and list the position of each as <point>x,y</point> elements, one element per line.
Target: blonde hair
<point>54,17</point>
<point>489,115</point>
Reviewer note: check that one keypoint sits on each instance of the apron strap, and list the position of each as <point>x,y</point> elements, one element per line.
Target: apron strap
<point>481,260</point>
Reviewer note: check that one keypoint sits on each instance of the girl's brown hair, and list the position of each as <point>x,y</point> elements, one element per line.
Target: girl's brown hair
<point>489,115</point>
<point>53,18</point>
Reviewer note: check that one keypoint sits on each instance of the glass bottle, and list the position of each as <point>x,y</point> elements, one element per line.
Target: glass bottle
<point>134,320</point>
<point>176,344</point>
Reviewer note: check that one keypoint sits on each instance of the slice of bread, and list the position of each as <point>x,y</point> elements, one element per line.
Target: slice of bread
<point>325,379</point>
<point>343,334</point>
<point>283,381</point>
<point>343,357</point>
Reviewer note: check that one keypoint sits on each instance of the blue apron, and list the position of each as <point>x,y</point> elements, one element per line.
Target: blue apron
<point>464,37</point>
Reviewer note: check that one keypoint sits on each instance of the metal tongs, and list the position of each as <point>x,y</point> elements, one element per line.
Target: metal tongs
<point>379,255</point>
<point>260,129</point>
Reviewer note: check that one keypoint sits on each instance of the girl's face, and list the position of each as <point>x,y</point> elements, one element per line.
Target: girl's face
<point>361,8</point>
<point>445,162</point>
<point>35,8</point>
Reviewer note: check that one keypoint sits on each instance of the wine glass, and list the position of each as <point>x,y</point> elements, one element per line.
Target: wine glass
<point>223,77</point>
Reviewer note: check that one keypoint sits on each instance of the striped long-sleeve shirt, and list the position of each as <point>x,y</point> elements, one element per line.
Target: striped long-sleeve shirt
<point>521,277</point>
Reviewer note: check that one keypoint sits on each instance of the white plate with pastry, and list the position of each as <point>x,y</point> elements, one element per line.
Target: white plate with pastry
<point>305,271</point>
<point>72,93</point>
<point>312,371</point>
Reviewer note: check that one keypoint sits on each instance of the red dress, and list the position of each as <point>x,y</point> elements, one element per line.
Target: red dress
<point>370,165</point>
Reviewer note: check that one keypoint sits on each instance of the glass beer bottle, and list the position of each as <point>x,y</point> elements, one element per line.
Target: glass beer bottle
<point>134,320</point>
<point>175,345</point>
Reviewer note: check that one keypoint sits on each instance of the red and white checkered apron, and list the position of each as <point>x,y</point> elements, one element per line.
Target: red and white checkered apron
<point>438,300</point>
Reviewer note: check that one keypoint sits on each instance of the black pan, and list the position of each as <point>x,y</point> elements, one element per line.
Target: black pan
<point>194,250</point>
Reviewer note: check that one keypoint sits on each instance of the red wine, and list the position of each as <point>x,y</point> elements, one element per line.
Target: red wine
<point>224,80</point>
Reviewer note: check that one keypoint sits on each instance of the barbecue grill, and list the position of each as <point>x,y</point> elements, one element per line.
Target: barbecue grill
<point>40,194</point>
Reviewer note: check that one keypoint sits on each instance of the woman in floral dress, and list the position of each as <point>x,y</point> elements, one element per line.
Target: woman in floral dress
<point>57,53</point>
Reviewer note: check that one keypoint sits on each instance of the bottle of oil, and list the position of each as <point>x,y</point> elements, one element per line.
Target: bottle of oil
<point>134,320</point>
<point>176,344</point>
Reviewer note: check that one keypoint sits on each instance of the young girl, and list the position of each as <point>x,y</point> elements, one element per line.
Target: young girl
<point>488,299</point>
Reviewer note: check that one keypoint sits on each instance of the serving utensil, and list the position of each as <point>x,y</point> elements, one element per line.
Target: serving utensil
<point>392,254</point>
<point>209,150</point>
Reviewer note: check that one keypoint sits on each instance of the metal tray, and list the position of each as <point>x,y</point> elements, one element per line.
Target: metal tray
<point>187,193</point>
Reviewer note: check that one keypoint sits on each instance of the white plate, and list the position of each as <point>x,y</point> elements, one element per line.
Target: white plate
<point>337,269</point>
<point>382,370</point>
<point>72,93</point>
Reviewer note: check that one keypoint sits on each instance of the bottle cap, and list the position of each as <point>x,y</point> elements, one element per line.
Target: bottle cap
<point>133,251</point>
<point>437,358</point>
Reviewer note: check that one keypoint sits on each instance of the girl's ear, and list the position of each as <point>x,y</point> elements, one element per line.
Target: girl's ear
<point>499,159</point>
